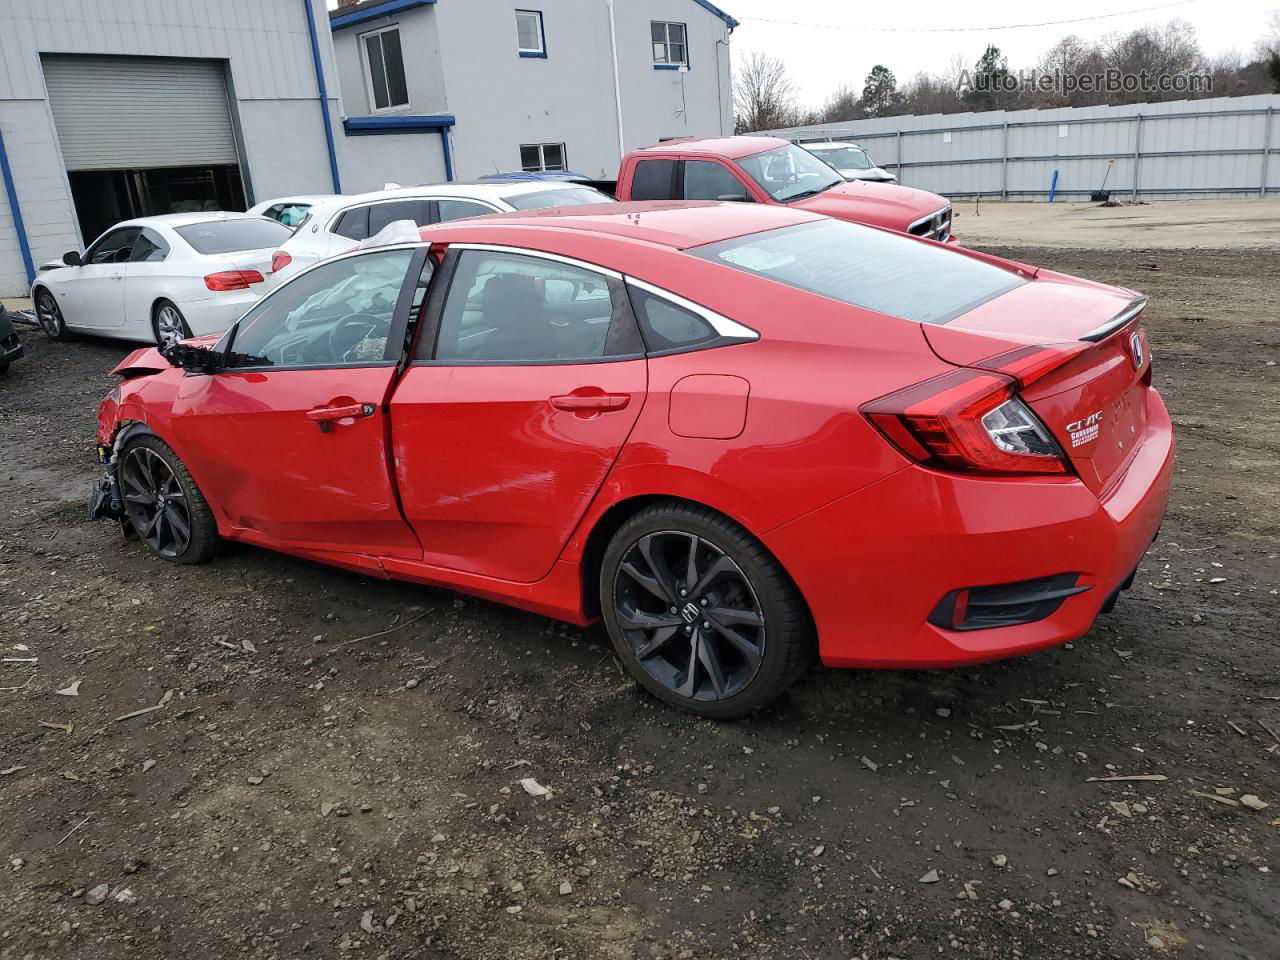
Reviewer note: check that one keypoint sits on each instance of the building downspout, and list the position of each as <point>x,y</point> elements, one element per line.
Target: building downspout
<point>719,93</point>
<point>324,96</point>
<point>448,154</point>
<point>16,211</point>
<point>617,87</point>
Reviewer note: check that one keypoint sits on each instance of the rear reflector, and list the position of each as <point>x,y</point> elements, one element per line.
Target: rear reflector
<point>970,421</point>
<point>1005,604</point>
<point>232,279</point>
<point>279,260</point>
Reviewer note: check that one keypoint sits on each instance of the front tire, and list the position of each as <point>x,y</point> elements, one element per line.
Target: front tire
<point>49,314</point>
<point>168,325</point>
<point>162,503</point>
<point>701,613</point>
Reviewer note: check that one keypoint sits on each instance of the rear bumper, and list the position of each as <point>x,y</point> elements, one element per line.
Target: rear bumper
<point>217,313</point>
<point>875,565</point>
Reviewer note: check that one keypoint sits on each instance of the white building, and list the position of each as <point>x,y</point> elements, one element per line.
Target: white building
<point>112,110</point>
<point>527,85</point>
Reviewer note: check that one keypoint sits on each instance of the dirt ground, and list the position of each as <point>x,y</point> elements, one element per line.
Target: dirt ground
<point>1169,225</point>
<point>335,770</point>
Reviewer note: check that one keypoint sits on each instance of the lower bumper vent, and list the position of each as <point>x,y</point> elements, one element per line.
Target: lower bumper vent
<point>1005,604</point>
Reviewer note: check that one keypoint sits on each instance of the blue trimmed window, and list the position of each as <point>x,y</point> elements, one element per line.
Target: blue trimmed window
<point>530,38</point>
<point>670,49</point>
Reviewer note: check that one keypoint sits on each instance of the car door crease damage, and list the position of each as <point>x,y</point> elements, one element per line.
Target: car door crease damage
<point>903,474</point>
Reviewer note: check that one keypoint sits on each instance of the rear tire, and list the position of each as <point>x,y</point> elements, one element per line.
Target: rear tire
<point>50,316</point>
<point>168,325</point>
<point>721,640</point>
<point>163,505</point>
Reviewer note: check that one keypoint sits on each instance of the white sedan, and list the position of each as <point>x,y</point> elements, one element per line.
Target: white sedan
<point>160,279</point>
<point>336,224</point>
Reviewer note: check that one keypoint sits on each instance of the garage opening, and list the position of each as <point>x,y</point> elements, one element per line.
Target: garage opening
<point>143,136</point>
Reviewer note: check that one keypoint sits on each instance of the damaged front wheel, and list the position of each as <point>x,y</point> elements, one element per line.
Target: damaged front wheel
<point>162,503</point>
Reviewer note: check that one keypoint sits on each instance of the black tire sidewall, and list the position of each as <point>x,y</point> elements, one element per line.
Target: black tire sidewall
<point>773,675</point>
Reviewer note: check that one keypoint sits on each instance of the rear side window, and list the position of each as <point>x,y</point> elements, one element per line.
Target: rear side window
<point>654,180</point>
<point>461,209</point>
<point>354,224</point>
<point>666,326</point>
<point>381,214</point>
<point>149,248</point>
<point>706,180</point>
<point>868,268</point>
<point>509,308</point>
<point>229,236</point>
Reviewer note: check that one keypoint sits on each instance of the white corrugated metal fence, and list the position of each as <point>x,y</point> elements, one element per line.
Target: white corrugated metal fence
<point>1220,147</point>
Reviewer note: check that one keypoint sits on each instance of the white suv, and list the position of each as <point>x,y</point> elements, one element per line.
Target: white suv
<point>336,224</point>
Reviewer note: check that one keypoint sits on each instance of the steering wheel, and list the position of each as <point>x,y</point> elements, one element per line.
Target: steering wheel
<point>352,330</point>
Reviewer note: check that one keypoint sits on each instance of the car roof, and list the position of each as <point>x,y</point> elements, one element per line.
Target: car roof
<point>729,147</point>
<point>824,144</point>
<point>310,198</point>
<point>186,219</point>
<point>466,190</point>
<point>678,224</point>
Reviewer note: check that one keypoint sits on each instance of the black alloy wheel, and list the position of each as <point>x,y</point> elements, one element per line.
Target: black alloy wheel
<point>155,503</point>
<point>163,504</point>
<point>690,615</point>
<point>700,612</point>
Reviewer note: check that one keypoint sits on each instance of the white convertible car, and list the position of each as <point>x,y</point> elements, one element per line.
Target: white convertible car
<point>160,279</point>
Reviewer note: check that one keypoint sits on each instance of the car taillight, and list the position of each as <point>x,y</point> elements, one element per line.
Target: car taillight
<point>967,420</point>
<point>280,260</point>
<point>232,279</point>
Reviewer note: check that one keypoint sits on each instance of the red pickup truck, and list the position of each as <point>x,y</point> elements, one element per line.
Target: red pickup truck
<point>770,170</point>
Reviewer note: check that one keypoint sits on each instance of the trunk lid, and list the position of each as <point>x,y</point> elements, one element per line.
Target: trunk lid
<point>259,260</point>
<point>1080,354</point>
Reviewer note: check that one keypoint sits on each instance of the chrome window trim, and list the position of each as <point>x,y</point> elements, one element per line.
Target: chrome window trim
<point>538,254</point>
<point>1135,307</point>
<point>719,322</point>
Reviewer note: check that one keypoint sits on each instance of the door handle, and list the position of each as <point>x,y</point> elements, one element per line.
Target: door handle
<point>324,416</point>
<point>589,403</point>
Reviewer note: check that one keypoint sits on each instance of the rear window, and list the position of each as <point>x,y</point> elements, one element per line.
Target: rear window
<point>229,236</point>
<point>568,197</point>
<point>867,268</point>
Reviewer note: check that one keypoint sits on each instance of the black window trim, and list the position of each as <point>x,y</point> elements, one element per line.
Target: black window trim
<point>729,331</point>
<point>399,319</point>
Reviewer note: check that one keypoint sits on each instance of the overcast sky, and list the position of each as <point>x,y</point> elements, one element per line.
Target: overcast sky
<point>826,43</point>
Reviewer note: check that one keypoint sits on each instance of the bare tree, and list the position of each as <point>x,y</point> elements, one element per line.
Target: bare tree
<point>763,94</point>
<point>844,104</point>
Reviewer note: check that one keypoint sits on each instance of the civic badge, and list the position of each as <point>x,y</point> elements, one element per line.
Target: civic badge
<point>1136,350</point>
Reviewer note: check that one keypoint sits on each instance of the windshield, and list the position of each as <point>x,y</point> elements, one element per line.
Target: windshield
<point>229,236</point>
<point>886,272</point>
<point>789,173</point>
<point>568,197</point>
<point>843,158</point>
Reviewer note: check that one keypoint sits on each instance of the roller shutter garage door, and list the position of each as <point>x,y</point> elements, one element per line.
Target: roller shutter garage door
<point>140,112</point>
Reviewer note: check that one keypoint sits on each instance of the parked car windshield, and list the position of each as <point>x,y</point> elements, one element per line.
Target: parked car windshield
<point>789,173</point>
<point>874,269</point>
<point>229,236</point>
<point>568,197</point>
<point>843,158</point>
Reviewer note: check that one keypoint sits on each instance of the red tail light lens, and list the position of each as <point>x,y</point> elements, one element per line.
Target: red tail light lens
<point>967,420</point>
<point>232,279</point>
<point>280,260</point>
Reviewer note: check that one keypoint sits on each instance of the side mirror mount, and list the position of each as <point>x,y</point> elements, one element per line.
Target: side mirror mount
<point>735,197</point>
<point>71,258</point>
<point>196,359</point>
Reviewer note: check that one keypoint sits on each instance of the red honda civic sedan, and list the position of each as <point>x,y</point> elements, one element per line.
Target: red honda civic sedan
<point>736,433</point>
